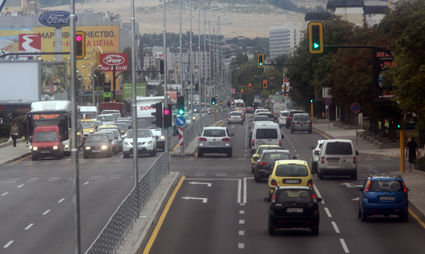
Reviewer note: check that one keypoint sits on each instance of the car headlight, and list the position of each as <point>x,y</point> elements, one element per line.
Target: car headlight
<point>104,147</point>
<point>149,142</point>
<point>34,148</point>
<point>87,147</point>
<point>66,146</point>
<point>55,147</point>
<point>162,137</point>
<point>91,131</point>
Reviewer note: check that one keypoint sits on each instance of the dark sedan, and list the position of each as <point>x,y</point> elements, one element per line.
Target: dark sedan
<point>97,145</point>
<point>264,165</point>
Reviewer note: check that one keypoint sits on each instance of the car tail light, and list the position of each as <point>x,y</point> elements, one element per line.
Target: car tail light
<point>255,159</point>
<point>322,160</point>
<point>310,183</point>
<point>229,117</point>
<point>309,123</point>
<point>404,187</point>
<point>314,198</point>
<point>241,116</point>
<point>225,139</point>
<point>252,143</point>
<point>262,163</point>
<point>202,139</point>
<point>274,183</point>
<point>280,143</point>
<point>293,123</point>
<point>354,160</point>
<point>367,186</point>
<point>274,198</point>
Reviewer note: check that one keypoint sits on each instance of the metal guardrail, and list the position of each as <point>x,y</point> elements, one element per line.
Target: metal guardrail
<point>124,216</point>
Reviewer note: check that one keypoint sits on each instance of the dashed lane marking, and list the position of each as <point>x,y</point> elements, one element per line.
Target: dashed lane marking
<point>29,226</point>
<point>60,201</point>
<point>328,212</point>
<point>46,212</point>
<point>344,246</point>
<point>335,227</point>
<point>7,245</point>
<point>20,186</point>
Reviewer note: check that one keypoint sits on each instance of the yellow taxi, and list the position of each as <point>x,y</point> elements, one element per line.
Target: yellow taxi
<point>89,126</point>
<point>255,156</point>
<point>290,173</point>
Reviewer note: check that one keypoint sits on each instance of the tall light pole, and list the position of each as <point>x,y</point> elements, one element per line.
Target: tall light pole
<point>165,84</point>
<point>181,51</point>
<point>199,57</point>
<point>134,106</point>
<point>191,65</point>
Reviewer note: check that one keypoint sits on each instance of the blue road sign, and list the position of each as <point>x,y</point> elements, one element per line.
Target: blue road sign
<point>180,121</point>
<point>287,104</point>
<point>328,101</point>
<point>355,108</point>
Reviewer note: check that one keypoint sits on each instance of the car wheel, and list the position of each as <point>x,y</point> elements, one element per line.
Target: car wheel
<point>242,123</point>
<point>314,167</point>
<point>315,230</point>
<point>153,152</point>
<point>320,175</point>
<point>34,158</point>
<point>252,170</point>
<point>229,154</point>
<point>404,217</point>
<point>272,230</point>
<point>256,178</point>
<point>363,216</point>
<point>310,131</point>
<point>292,131</point>
<point>110,154</point>
<point>85,156</point>
<point>126,155</point>
<point>354,176</point>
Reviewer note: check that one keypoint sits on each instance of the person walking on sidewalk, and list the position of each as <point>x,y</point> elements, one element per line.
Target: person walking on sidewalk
<point>412,149</point>
<point>14,133</point>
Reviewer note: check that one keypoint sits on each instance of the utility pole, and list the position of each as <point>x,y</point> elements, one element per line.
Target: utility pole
<point>191,65</point>
<point>181,51</point>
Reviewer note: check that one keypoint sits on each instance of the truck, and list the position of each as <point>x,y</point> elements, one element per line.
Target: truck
<point>53,113</point>
<point>88,112</point>
<point>104,106</point>
<point>239,104</point>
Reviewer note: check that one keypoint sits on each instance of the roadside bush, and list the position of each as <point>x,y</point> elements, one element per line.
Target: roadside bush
<point>420,163</point>
<point>5,130</point>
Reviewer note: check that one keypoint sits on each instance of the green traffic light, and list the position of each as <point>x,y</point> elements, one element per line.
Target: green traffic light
<point>311,101</point>
<point>316,45</point>
<point>398,126</point>
<point>181,111</point>
<point>261,64</point>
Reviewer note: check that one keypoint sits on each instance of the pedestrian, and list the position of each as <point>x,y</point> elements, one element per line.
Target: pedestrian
<point>14,133</point>
<point>412,149</point>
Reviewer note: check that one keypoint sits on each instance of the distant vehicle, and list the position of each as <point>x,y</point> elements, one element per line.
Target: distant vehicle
<point>89,126</point>
<point>106,119</point>
<point>289,118</point>
<point>256,155</point>
<point>235,117</point>
<point>146,143</point>
<point>249,110</point>
<point>283,115</point>
<point>215,140</point>
<point>88,112</point>
<point>266,133</point>
<point>301,122</point>
<point>277,108</point>
<point>239,104</point>
<point>315,155</point>
<point>112,106</point>
<point>113,139</point>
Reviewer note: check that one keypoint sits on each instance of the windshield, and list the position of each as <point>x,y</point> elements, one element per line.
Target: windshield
<point>122,127</point>
<point>106,118</point>
<point>48,136</point>
<point>386,186</point>
<point>276,156</point>
<point>291,170</point>
<point>301,118</point>
<point>140,133</point>
<point>87,125</point>
<point>266,134</point>
<point>97,138</point>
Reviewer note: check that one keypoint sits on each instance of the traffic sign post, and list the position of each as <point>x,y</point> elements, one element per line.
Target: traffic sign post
<point>355,108</point>
<point>181,121</point>
<point>328,101</point>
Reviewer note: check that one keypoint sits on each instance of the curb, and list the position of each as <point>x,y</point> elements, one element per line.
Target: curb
<point>16,159</point>
<point>323,133</point>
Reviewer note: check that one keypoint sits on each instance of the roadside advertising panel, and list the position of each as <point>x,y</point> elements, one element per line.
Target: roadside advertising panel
<point>20,80</point>
<point>120,60</point>
<point>128,90</point>
<point>53,81</point>
<point>381,94</point>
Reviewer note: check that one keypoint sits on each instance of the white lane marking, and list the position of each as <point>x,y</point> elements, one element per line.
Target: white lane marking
<point>208,184</point>
<point>241,221</point>
<point>344,246</point>
<point>328,213</point>
<point>46,212</point>
<point>14,179</point>
<point>295,151</point>
<point>122,156</point>
<point>29,226</point>
<point>244,191</point>
<point>292,146</point>
<point>4,194</point>
<point>355,199</point>
<point>35,178</point>
<point>29,181</point>
<point>60,201</point>
<point>20,186</point>
<point>239,191</point>
<point>318,194</point>
<point>204,200</point>
<point>241,211</point>
<point>7,245</point>
<point>86,183</point>
<point>200,174</point>
<point>241,245</point>
<point>241,232</point>
<point>335,227</point>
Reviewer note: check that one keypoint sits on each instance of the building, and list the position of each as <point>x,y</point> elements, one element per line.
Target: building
<point>350,10</point>
<point>373,14</point>
<point>285,38</point>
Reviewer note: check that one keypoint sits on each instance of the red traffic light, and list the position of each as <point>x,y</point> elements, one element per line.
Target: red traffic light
<point>166,112</point>
<point>79,38</point>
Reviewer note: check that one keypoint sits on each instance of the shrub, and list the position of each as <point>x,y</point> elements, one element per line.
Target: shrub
<point>420,163</point>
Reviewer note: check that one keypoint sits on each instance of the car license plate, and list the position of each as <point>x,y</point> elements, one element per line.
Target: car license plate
<point>45,151</point>
<point>332,160</point>
<point>386,198</point>
<point>214,143</point>
<point>294,210</point>
<point>292,181</point>
<point>96,151</point>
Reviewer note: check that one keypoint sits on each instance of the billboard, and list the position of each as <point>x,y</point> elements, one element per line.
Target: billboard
<point>128,90</point>
<point>20,80</point>
<point>381,94</point>
<point>53,81</point>
<point>119,60</point>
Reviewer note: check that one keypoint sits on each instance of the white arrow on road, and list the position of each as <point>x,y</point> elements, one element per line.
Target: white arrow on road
<point>350,185</point>
<point>208,184</point>
<point>204,200</point>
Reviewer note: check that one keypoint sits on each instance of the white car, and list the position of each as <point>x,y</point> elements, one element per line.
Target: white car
<point>146,143</point>
<point>315,155</point>
<point>283,115</point>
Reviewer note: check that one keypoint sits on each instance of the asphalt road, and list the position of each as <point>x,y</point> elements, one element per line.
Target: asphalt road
<point>36,208</point>
<point>220,209</point>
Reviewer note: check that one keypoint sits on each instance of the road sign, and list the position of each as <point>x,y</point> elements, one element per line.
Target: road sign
<point>287,104</point>
<point>107,94</point>
<point>233,90</point>
<point>355,108</point>
<point>328,101</point>
<point>180,121</point>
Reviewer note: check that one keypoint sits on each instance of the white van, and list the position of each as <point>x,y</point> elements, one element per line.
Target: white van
<point>337,157</point>
<point>277,108</point>
<point>266,133</point>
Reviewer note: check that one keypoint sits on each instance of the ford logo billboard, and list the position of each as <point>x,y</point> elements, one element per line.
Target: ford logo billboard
<point>56,18</point>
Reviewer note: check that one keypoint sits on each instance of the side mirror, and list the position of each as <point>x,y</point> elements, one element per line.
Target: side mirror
<point>294,157</point>
<point>256,156</point>
<point>319,199</point>
<point>232,134</point>
<point>312,147</point>
<point>357,152</point>
<point>359,188</point>
<point>266,199</point>
<point>156,137</point>
<point>122,131</point>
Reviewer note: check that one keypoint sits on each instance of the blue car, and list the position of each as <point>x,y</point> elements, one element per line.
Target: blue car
<point>384,195</point>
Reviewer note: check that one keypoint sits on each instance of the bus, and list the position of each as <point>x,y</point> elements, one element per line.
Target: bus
<point>238,104</point>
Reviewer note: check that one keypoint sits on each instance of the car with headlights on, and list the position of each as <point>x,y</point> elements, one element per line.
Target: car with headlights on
<point>264,165</point>
<point>290,173</point>
<point>383,195</point>
<point>113,139</point>
<point>290,116</point>
<point>293,207</point>
<point>97,145</point>
<point>215,140</point>
<point>146,143</point>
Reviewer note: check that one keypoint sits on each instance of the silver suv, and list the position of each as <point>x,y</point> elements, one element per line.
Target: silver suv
<point>301,122</point>
<point>215,140</point>
<point>235,117</point>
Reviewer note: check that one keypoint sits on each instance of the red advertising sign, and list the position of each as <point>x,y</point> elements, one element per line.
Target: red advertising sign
<point>172,94</point>
<point>120,60</point>
<point>30,42</point>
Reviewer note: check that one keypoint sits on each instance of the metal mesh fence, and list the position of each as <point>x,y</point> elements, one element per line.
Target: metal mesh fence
<point>122,220</point>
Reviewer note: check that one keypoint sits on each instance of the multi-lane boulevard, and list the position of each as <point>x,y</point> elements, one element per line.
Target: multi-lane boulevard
<point>220,209</point>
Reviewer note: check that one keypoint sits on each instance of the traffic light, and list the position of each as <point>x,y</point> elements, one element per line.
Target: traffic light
<point>241,90</point>
<point>264,83</point>
<point>80,42</point>
<point>180,105</point>
<point>161,67</point>
<point>315,37</point>
<point>168,116</point>
<point>157,114</point>
<point>396,123</point>
<point>249,86</point>
<point>260,60</point>
<point>213,102</point>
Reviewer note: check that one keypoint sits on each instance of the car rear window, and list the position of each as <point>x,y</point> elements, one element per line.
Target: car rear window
<point>276,156</point>
<point>266,134</point>
<point>214,133</point>
<point>335,148</point>
<point>236,113</point>
<point>291,170</point>
<point>302,118</point>
<point>386,186</point>
<point>262,118</point>
<point>298,196</point>
<point>285,113</point>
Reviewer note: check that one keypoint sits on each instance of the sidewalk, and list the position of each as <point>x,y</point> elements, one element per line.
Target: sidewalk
<point>414,180</point>
<point>8,153</point>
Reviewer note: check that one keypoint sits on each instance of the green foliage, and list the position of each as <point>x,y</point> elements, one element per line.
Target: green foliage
<point>420,163</point>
